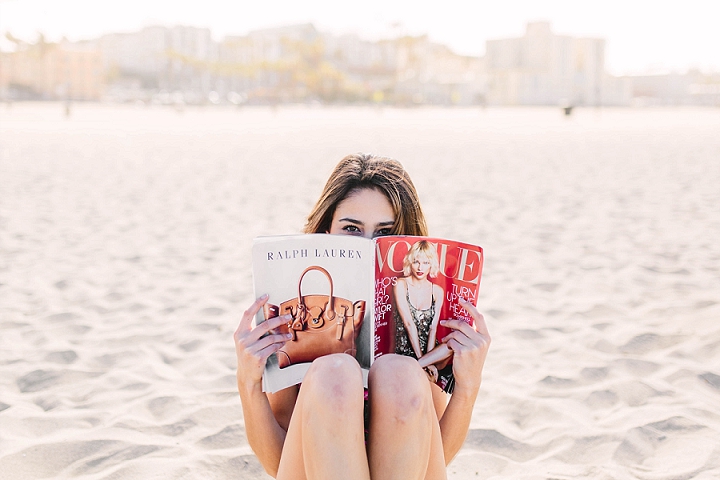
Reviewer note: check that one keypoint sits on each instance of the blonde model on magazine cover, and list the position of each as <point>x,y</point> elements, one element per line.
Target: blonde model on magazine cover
<point>322,429</point>
<point>418,302</point>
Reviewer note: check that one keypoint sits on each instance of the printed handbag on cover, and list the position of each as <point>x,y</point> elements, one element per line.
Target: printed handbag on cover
<point>320,324</point>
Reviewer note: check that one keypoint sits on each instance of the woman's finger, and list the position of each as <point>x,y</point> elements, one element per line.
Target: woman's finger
<point>249,314</point>
<point>458,325</point>
<point>454,345</point>
<point>269,340</point>
<point>265,353</point>
<point>479,323</point>
<point>458,337</point>
<point>268,326</point>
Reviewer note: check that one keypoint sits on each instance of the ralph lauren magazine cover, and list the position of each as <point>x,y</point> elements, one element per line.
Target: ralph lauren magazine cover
<point>364,297</point>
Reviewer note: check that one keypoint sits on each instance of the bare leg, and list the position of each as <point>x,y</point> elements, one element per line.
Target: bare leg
<point>405,441</point>
<point>325,438</point>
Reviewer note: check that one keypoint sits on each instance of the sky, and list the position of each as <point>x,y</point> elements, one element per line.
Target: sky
<point>641,36</point>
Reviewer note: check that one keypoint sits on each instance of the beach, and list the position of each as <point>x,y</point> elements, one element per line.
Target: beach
<point>125,237</point>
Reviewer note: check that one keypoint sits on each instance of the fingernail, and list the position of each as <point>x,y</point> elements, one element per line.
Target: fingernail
<point>287,316</point>
<point>264,296</point>
<point>463,300</point>
<point>443,322</point>
<point>289,335</point>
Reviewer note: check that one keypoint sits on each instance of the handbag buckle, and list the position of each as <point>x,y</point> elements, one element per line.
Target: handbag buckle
<point>316,321</point>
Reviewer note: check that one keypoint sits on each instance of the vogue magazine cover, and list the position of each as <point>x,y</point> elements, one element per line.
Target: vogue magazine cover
<point>418,282</point>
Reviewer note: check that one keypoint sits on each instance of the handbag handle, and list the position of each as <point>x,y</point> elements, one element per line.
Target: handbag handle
<point>330,309</point>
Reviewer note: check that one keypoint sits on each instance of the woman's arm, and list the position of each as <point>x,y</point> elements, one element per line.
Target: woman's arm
<point>436,355</point>
<point>264,433</point>
<point>253,346</point>
<point>438,295</point>
<point>470,345</point>
<point>400,294</point>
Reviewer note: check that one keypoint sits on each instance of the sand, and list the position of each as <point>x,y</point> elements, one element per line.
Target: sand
<point>124,268</point>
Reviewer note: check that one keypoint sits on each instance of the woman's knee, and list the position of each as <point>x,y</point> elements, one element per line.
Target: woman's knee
<point>398,383</point>
<point>398,368</point>
<point>336,380</point>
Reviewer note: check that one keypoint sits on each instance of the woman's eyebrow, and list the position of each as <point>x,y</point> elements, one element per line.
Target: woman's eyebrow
<point>358,222</point>
<point>351,220</point>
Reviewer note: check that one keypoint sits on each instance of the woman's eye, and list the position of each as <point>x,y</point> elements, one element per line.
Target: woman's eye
<point>353,229</point>
<point>382,232</point>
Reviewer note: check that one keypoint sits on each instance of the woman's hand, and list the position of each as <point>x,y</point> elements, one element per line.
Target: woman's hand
<point>253,346</point>
<point>432,372</point>
<point>470,345</point>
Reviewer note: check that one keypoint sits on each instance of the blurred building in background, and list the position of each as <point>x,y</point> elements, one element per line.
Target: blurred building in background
<point>691,88</point>
<point>155,59</point>
<point>52,71</point>
<point>542,68</point>
<point>284,64</point>
<point>299,64</point>
<point>429,73</point>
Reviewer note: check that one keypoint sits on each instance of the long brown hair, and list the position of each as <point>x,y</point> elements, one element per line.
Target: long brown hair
<point>358,171</point>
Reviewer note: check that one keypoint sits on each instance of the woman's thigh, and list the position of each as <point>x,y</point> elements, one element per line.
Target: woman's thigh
<point>325,437</point>
<point>405,440</point>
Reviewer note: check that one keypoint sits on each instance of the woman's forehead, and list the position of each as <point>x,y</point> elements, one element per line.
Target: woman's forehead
<point>367,202</point>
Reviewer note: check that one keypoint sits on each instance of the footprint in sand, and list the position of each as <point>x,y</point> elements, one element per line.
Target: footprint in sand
<point>636,393</point>
<point>495,442</point>
<point>177,428</point>
<point>639,368</point>
<point>191,346</point>
<point>528,334</point>
<point>229,437</point>
<point>648,342</point>
<point>677,446</point>
<point>600,399</point>
<point>47,403</point>
<point>212,311</point>
<point>39,380</point>
<point>546,287</point>
<point>65,357</point>
<point>62,317</point>
<point>49,459</point>
<point>711,379</point>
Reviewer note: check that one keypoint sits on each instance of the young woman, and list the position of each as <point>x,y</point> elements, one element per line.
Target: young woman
<point>316,430</point>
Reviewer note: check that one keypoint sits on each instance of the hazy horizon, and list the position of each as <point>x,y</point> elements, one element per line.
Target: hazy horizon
<point>641,37</point>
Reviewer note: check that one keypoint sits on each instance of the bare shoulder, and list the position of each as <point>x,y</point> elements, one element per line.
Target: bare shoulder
<point>438,291</point>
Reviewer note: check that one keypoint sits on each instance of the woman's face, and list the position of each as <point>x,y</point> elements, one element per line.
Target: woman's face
<point>420,267</point>
<point>364,213</point>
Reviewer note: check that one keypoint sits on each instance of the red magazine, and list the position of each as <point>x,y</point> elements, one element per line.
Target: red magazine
<point>364,297</point>
<point>418,282</point>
